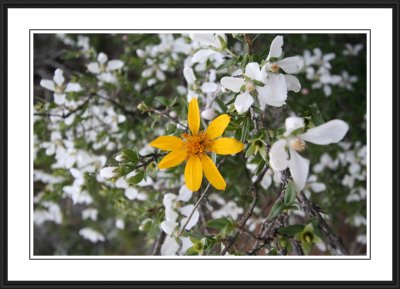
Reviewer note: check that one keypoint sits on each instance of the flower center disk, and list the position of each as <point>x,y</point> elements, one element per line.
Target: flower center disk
<point>197,144</point>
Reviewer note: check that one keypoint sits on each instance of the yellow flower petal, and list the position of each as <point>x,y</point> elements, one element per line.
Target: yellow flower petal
<point>227,146</point>
<point>167,143</point>
<point>194,116</point>
<point>212,174</point>
<point>172,159</point>
<point>218,126</point>
<point>193,173</point>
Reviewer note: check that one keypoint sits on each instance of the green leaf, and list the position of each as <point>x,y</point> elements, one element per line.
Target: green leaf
<point>245,131</point>
<point>263,152</point>
<point>291,230</point>
<point>227,64</point>
<point>131,155</point>
<point>219,223</point>
<point>136,178</point>
<point>276,210</point>
<point>258,83</point>
<point>244,62</point>
<point>306,247</point>
<point>260,166</point>
<point>163,100</point>
<point>251,150</point>
<point>290,193</point>
<point>192,251</point>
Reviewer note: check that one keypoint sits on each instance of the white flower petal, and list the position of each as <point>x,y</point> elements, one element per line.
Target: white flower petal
<point>107,77</point>
<point>328,57</point>
<point>121,183</point>
<point>147,72</point>
<point>291,64</point>
<point>58,77</point>
<point>207,39</point>
<point>73,87</point>
<point>48,84</point>
<point>169,200</point>
<point>184,194</point>
<point>115,64</point>
<point>59,98</point>
<point>331,132</point>
<point>318,187</point>
<point>232,83</point>
<point>70,119</point>
<point>186,211</point>
<point>131,193</point>
<point>274,93</point>
<point>94,67</point>
<point>160,75</point>
<point>193,221</point>
<point>298,167</point>
<point>102,58</point>
<point>202,55</point>
<point>169,227</point>
<point>253,71</point>
<point>327,90</point>
<point>207,87</point>
<point>208,114</point>
<point>243,102</point>
<point>276,47</point>
<point>266,181</point>
<point>278,156</point>
<point>108,172</point>
<point>191,94</point>
<point>186,244</point>
<point>292,83</point>
<point>189,75</point>
<point>292,123</point>
<point>170,214</point>
<point>169,247</point>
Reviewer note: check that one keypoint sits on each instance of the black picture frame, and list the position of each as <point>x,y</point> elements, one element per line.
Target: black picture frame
<point>5,158</point>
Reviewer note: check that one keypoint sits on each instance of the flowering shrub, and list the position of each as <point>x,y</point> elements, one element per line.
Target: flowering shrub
<point>276,126</point>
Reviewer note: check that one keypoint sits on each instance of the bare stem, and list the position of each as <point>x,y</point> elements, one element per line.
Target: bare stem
<point>194,209</point>
<point>245,218</point>
<point>159,243</point>
<point>198,202</point>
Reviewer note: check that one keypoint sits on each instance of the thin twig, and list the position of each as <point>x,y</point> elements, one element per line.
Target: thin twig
<point>335,243</point>
<point>249,43</point>
<point>159,242</point>
<point>65,115</point>
<point>199,201</point>
<point>194,209</point>
<point>166,115</point>
<point>245,218</point>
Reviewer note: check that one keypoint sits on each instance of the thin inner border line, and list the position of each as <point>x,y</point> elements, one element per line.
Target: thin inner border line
<point>367,32</point>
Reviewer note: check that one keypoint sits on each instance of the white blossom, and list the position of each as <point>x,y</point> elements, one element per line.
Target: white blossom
<point>284,152</point>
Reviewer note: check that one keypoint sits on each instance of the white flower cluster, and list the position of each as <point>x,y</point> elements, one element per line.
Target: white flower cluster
<point>354,160</point>
<point>317,67</point>
<point>160,58</point>
<point>267,80</point>
<point>173,212</point>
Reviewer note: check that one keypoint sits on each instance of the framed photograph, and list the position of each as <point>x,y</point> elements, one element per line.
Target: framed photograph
<point>198,145</point>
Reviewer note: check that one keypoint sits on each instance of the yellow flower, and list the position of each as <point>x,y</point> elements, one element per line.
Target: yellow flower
<point>194,148</point>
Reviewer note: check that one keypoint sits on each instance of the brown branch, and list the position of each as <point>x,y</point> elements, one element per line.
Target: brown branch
<point>153,157</point>
<point>159,243</point>
<point>249,43</point>
<point>266,232</point>
<point>335,243</point>
<point>65,115</point>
